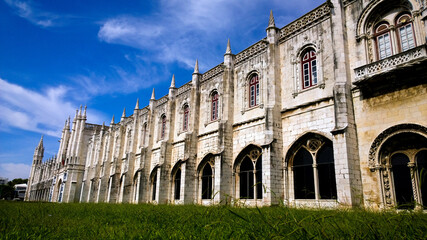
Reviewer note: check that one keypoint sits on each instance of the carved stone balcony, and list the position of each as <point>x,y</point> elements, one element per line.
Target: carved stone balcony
<point>410,62</point>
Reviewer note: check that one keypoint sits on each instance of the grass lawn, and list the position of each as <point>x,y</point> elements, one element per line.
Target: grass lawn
<point>27,220</point>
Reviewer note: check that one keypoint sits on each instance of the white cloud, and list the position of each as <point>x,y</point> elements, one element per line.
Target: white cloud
<point>26,10</point>
<point>14,170</point>
<point>183,30</point>
<point>43,112</point>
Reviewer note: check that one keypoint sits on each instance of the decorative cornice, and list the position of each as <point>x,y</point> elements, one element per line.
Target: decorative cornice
<point>213,72</point>
<point>305,21</point>
<point>258,47</point>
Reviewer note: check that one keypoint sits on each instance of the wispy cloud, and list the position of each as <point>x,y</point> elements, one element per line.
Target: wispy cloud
<point>14,170</point>
<point>43,112</point>
<point>29,11</point>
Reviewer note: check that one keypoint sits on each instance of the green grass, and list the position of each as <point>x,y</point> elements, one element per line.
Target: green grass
<point>23,220</point>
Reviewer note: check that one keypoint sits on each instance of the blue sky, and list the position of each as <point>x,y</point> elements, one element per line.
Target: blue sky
<point>58,55</point>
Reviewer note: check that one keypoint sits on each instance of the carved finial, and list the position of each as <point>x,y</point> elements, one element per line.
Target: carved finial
<point>271,23</point>
<point>152,95</point>
<point>173,81</point>
<point>228,51</point>
<point>124,113</point>
<point>112,121</point>
<point>137,104</point>
<point>196,67</point>
<point>40,143</point>
<point>77,114</point>
<point>103,125</point>
<point>80,112</point>
<point>84,113</point>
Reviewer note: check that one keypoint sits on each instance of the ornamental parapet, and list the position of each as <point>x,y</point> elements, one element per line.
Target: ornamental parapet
<point>408,58</point>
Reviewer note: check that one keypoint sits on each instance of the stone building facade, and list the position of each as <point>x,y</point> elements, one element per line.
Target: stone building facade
<point>328,111</point>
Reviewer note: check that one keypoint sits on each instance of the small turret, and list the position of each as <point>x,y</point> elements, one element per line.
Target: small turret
<point>84,113</point>
<point>196,75</point>
<point>172,88</point>
<point>272,30</point>
<point>137,104</point>
<point>123,114</point>
<point>228,56</point>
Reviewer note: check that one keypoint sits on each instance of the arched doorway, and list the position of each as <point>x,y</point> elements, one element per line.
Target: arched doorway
<point>248,172</point>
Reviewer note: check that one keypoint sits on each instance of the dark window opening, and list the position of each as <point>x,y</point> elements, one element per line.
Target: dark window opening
<point>178,184</point>
<point>258,176</point>
<point>303,175</point>
<point>402,181</point>
<point>207,182</point>
<point>154,185</point>
<point>246,179</point>
<point>421,159</point>
<point>326,173</point>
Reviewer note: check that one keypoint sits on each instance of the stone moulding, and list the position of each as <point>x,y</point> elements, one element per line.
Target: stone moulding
<point>305,21</point>
<point>398,60</point>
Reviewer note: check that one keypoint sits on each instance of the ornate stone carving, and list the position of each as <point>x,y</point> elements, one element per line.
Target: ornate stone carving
<point>183,89</point>
<point>213,72</point>
<point>418,53</point>
<point>305,21</point>
<point>374,150</point>
<point>251,51</point>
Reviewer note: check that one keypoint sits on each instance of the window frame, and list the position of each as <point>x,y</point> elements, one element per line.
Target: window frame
<point>400,25</point>
<point>382,33</point>
<point>185,119</point>
<point>254,90</point>
<point>214,105</point>
<point>312,71</point>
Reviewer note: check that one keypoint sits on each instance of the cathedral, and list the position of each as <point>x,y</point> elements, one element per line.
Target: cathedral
<point>328,111</point>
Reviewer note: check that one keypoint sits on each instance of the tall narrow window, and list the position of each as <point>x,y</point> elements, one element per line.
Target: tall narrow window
<point>254,91</point>
<point>303,175</point>
<point>61,191</point>
<point>405,32</point>
<point>246,176</point>
<point>163,128</point>
<point>309,68</point>
<point>214,114</point>
<point>402,181</point>
<point>185,120</point>
<point>144,134</point>
<point>177,184</point>
<point>207,177</point>
<point>154,185</point>
<point>383,41</point>
<point>421,159</point>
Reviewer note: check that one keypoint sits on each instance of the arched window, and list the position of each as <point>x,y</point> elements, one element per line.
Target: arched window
<point>154,184</point>
<point>309,68</point>
<point>405,32</point>
<point>253,90</point>
<point>163,127</point>
<point>314,171</point>
<point>403,160</point>
<point>177,184</point>
<point>250,173</point>
<point>382,33</point>
<point>207,177</point>
<point>214,108</point>
<point>185,120</point>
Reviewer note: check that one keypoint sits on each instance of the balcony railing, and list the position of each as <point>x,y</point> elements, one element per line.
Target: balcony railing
<point>403,59</point>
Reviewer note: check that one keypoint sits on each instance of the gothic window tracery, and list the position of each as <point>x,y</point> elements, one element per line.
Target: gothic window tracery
<point>249,171</point>
<point>313,170</point>
<point>403,157</point>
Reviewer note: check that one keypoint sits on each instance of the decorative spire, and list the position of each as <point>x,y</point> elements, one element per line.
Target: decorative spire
<point>152,95</point>
<point>40,146</point>
<point>173,81</point>
<point>112,121</point>
<point>77,114</point>
<point>80,112</point>
<point>271,23</point>
<point>124,113</point>
<point>228,51</point>
<point>196,67</point>
<point>84,113</point>
<point>137,104</point>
